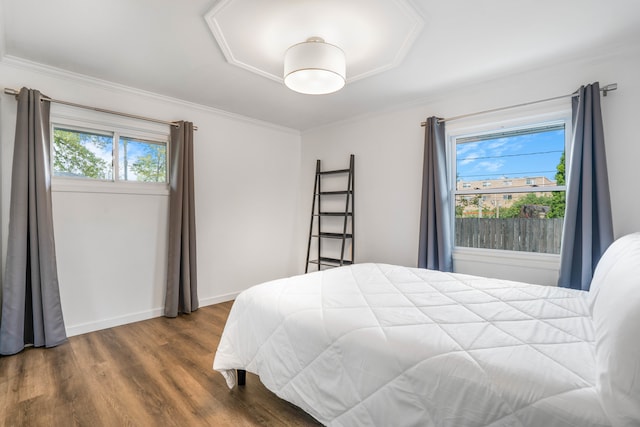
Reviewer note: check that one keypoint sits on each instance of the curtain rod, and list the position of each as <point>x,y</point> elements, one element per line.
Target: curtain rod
<point>604,90</point>
<point>10,91</point>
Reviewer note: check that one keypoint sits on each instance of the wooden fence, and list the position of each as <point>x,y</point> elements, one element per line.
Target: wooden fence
<point>515,234</point>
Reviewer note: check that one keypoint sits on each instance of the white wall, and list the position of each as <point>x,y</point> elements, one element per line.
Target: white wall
<point>111,247</point>
<point>254,181</point>
<point>389,155</point>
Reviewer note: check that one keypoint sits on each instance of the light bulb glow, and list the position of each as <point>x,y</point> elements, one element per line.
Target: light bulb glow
<point>314,67</point>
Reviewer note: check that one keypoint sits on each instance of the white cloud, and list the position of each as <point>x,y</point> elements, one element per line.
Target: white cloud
<point>469,159</point>
<point>490,166</point>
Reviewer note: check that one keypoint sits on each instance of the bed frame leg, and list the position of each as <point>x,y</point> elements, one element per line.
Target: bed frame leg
<point>242,376</point>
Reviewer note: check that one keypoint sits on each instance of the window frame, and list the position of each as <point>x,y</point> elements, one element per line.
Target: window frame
<point>82,120</point>
<point>522,118</point>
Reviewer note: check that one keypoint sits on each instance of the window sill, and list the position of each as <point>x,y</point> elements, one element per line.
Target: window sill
<point>72,185</point>
<point>528,267</point>
<point>503,257</point>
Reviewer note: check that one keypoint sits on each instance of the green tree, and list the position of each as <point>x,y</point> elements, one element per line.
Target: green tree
<point>513,211</point>
<point>72,157</point>
<point>555,202</point>
<point>463,202</point>
<point>152,166</point>
<point>558,198</point>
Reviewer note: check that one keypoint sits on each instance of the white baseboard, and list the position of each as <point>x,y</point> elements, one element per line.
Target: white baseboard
<point>218,299</point>
<point>97,325</point>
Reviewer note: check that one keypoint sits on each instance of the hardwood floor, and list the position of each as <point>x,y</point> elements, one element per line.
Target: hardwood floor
<point>152,373</point>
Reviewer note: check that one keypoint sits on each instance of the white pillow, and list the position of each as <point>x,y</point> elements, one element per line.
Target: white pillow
<point>616,318</point>
<point>607,262</point>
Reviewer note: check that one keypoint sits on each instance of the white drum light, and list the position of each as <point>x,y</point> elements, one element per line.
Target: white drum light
<point>314,67</point>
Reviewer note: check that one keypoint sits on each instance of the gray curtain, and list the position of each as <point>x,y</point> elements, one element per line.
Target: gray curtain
<point>434,250</point>
<point>588,229</point>
<point>31,311</point>
<point>182,280</point>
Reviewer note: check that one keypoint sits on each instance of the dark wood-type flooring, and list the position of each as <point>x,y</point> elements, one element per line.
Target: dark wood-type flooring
<point>152,373</point>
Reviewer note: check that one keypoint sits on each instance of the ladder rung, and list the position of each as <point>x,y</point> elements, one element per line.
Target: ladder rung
<point>334,214</point>
<point>347,216</point>
<point>330,262</point>
<point>334,172</point>
<point>328,193</point>
<point>333,235</point>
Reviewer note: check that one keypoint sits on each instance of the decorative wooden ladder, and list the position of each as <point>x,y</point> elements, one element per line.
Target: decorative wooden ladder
<point>317,228</point>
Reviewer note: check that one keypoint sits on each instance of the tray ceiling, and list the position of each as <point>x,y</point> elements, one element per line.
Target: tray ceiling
<point>374,34</point>
<point>166,47</point>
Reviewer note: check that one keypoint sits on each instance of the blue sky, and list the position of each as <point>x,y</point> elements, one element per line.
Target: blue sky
<point>513,156</point>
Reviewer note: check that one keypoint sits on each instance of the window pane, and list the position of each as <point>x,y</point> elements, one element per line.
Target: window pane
<point>140,160</point>
<point>529,158</point>
<point>82,154</point>
<point>530,222</point>
<point>519,159</point>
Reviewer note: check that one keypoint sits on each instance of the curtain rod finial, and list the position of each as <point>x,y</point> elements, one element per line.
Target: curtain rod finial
<point>609,87</point>
<point>11,91</point>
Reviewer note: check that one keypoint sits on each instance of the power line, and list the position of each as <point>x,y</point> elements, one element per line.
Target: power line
<point>512,173</point>
<point>511,155</point>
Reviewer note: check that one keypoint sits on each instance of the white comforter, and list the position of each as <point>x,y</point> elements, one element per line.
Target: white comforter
<point>376,344</point>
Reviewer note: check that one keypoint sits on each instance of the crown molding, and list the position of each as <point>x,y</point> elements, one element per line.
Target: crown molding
<point>218,34</point>
<point>415,28</point>
<point>47,70</point>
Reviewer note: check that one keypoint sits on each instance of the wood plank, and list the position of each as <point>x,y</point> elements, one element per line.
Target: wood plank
<point>155,372</point>
<point>517,234</point>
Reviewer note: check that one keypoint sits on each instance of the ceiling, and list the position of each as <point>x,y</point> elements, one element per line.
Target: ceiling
<point>375,35</point>
<point>166,47</point>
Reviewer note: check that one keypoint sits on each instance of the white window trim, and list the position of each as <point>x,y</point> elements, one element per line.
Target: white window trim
<point>81,119</point>
<point>80,185</point>
<point>554,111</point>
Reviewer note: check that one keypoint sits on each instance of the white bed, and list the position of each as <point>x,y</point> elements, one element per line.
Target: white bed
<point>377,344</point>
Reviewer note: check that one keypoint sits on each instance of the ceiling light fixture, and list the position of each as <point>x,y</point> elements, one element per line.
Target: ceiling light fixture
<point>314,67</point>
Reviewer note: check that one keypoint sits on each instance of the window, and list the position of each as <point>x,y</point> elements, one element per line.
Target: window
<point>141,160</point>
<point>92,154</point>
<point>528,215</point>
<point>97,152</point>
<point>466,185</point>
